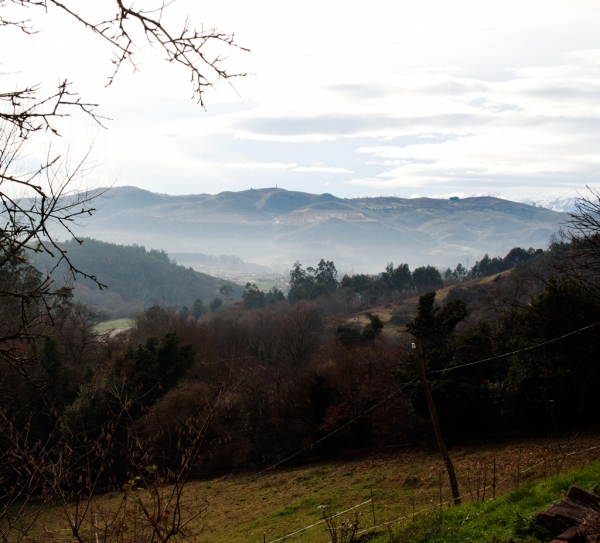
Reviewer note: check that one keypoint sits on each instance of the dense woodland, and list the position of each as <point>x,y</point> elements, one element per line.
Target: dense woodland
<point>278,380</point>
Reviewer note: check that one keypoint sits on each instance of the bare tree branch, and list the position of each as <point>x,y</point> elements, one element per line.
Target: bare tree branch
<point>580,259</point>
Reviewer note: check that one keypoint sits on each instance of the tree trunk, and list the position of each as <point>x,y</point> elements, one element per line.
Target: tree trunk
<point>436,425</point>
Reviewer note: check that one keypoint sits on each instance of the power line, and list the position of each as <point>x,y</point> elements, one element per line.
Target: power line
<point>320,522</point>
<point>515,352</point>
<point>525,349</point>
<point>447,502</point>
<point>412,381</point>
<point>420,511</point>
<point>338,429</point>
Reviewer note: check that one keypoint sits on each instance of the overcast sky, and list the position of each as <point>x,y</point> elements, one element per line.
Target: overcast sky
<point>351,98</point>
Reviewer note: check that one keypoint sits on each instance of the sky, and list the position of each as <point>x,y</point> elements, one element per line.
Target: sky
<point>351,98</point>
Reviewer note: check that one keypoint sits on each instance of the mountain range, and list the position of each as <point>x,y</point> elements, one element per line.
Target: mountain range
<point>275,227</point>
<point>562,200</point>
<point>556,200</point>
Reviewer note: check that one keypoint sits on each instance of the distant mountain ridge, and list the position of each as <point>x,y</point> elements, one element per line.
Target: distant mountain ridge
<point>562,200</point>
<point>276,227</point>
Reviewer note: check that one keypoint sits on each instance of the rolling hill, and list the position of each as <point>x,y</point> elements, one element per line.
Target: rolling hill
<point>276,227</point>
<point>134,277</point>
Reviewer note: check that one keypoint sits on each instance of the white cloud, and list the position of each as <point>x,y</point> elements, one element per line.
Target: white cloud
<point>262,166</point>
<point>323,169</point>
<point>285,166</point>
<point>587,57</point>
<point>434,93</point>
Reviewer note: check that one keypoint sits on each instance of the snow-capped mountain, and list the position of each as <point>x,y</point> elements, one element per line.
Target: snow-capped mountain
<point>562,200</point>
<point>557,200</point>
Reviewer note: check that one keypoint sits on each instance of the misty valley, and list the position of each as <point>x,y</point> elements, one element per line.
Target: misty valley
<point>347,293</point>
<point>152,364</point>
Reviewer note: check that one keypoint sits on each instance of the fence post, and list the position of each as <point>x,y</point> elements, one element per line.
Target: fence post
<point>441,484</point>
<point>373,508</point>
<point>494,481</point>
<point>485,472</point>
<point>436,422</point>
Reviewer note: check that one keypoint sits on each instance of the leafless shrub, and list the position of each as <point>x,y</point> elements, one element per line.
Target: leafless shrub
<point>581,258</point>
<point>340,530</point>
<point>73,467</point>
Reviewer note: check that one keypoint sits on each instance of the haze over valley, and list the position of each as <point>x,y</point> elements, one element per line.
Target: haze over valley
<point>349,292</point>
<point>274,227</point>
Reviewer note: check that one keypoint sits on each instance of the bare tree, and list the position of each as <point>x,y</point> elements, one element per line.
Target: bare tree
<point>35,206</point>
<point>41,203</point>
<point>580,259</point>
<point>183,45</point>
<point>75,463</point>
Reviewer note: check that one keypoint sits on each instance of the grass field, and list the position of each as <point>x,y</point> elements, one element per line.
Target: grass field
<point>407,307</point>
<point>265,286</point>
<point>108,326</point>
<point>509,519</point>
<point>268,506</point>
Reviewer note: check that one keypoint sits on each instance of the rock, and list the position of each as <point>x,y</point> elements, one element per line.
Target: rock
<point>572,535</point>
<point>563,519</point>
<point>582,495</point>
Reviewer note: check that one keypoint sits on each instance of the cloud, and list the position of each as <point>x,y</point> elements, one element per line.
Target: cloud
<point>262,166</point>
<point>453,86</point>
<point>487,157</point>
<point>352,125</point>
<point>368,182</point>
<point>365,91</point>
<point>587,57</point>
<point>439,128</point>
<point>323,169</point>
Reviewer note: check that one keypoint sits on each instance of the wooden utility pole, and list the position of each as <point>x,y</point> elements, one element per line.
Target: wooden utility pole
<point>436,424</point>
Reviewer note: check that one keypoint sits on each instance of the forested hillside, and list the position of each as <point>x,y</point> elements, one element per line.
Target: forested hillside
<point>332,369</point>
<point>509,348</point>
<point>134,277</point>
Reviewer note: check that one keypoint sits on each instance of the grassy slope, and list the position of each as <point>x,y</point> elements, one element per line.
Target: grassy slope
<point>265,286</point>
<point>409,307</point>
<point>507,519</point>
<point>108,326</point>
<point>243,507</point>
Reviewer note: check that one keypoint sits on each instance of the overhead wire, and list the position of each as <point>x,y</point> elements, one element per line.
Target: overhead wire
<point>447,502</point>
<point>338,429</point>
<point>420,511</point>
<point>518,351</point>
<point>320,522</point>
<point>385,399</point>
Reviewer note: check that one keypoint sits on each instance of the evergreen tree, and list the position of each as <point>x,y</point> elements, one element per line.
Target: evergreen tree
<point>198,308</point>
<point>253,297</point>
